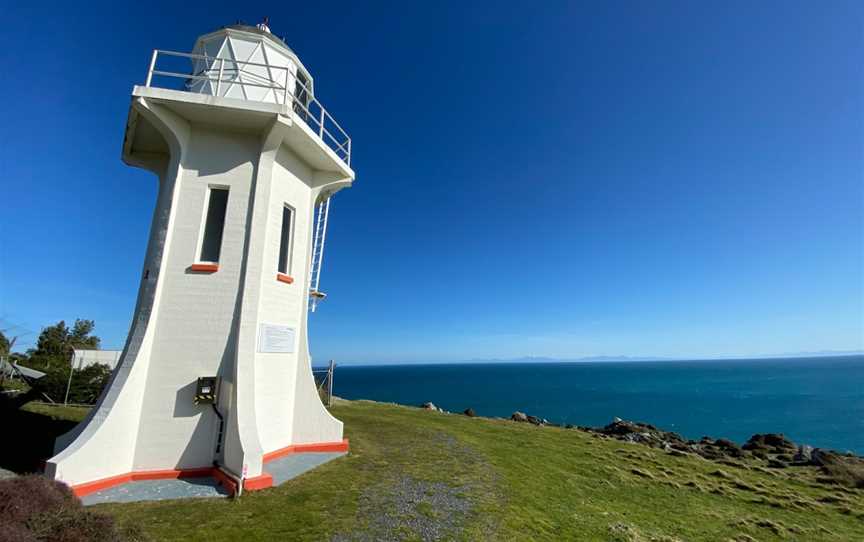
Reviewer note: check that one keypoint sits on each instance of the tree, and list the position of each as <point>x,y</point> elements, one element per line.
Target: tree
<point>84,388</point>
<point>4,345</point>
<point>56,343</point>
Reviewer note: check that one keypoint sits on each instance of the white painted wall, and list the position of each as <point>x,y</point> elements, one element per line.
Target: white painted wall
<point>193,330</point>
<point>189,325</point>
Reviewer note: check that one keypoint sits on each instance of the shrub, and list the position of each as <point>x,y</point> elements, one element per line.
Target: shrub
<point>36,509</point>
<point>87,383</point>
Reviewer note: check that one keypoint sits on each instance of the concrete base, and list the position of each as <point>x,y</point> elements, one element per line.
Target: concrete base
<point>158,490</point>
<point>282,469</point>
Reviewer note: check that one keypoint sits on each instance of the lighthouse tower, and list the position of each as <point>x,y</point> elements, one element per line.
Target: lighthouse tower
<point>215,377</point>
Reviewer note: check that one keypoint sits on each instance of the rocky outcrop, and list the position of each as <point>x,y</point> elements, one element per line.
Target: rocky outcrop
<point>770,443</point>
<point>772,450</point>
<point>649,435</point>
<point>522,417</point>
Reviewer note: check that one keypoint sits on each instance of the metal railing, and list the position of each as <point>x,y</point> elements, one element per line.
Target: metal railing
<point>226,71</point>
<point>324,382</point>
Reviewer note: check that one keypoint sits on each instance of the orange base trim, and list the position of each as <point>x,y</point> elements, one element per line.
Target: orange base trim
<point>204,267</point>
<point>249,484</point>
<point>313,447</point>
<point>104,483</point>
<point>282,277</point>
<point>225,481</point>
<point>258,482</point>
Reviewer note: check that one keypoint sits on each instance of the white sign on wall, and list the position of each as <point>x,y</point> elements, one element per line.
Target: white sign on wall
<point>275,339</point>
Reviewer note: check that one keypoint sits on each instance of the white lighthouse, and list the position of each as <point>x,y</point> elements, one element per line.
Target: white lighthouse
<point>215,377</point>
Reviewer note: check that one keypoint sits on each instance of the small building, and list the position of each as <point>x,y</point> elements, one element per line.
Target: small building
<point>85,358</point>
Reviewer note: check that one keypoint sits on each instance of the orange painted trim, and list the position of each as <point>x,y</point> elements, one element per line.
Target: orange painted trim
<point>312,447</point>
<point>250,484</point>
<point>258,482</point>
<point>225,481</point>
<point>204,267</point>
<point>98,485</point>
<point>282,277</point>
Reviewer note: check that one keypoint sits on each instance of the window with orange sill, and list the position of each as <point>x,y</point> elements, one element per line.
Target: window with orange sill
<point>214,227</point>
<point>286,241</point>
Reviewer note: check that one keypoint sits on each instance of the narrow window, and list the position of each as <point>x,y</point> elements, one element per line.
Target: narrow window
<point>214,225</point>
<point>285,241</point>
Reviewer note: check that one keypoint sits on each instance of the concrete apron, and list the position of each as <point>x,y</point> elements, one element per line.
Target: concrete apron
<point>281,469</point>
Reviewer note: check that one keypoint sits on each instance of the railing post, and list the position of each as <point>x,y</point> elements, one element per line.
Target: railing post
<point>69,382</point>
<point>285,97</point>
<point>221,71</point>
<point>330,383</point>
<point>321,126</point>
<point>349,152</point>
<point>152,67</point>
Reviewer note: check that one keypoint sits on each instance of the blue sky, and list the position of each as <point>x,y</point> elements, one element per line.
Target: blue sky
<point>553,179</point>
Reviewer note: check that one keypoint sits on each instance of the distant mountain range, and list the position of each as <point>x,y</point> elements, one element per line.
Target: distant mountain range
<point>544,359</point>
<point>540,359</point>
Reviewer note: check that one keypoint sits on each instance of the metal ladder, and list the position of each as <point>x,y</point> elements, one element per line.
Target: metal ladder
<point>318,236</point>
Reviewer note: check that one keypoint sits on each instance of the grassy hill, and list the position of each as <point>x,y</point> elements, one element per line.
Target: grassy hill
<point>420,475</point>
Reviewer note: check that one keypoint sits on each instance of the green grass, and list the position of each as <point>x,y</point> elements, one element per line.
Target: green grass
<point>57,412</point>
<point>31,432</point>
<point>508,481</point>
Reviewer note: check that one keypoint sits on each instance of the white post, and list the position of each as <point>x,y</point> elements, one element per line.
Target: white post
<point>321,126</point>
<point>330,383</point>
<point>69,383</point>
<point>221,71</point>
<point>349,152</point>
<point>285,98</point>
<point>152,67</point>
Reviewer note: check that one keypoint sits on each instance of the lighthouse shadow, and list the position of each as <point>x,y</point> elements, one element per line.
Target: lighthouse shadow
<point>29,439</point>
<point>184,402</point>
<point>199,450</point>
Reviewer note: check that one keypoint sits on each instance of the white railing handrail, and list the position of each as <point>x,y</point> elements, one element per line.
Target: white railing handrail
<point>340,143</point>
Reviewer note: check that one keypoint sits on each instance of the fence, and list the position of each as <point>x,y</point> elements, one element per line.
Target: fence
<point>324,382</point>
<point>216,76</point>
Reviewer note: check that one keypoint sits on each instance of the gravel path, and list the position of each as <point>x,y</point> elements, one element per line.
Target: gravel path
<point>404,507</point>
<point>409,508</point>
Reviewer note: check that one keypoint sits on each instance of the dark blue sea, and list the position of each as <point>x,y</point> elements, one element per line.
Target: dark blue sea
<point>817,401</point>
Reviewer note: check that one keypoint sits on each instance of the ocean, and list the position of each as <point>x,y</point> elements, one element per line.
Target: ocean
<point>815,401</point>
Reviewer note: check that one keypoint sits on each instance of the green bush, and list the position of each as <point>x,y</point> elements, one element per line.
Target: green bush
<point>87,383</point>
<point>35,509</point>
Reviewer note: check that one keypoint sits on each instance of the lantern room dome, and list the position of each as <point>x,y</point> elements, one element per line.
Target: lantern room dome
<point>251,64</point>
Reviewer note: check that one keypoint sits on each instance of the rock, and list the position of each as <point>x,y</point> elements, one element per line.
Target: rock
<point>519,417</point>
<point>535,420</point>
<point>777,464</point>
<point>770,442</point>
<point>822,458</point>
<point>616,419</point>
<point>470,413</point>
<point>621,427</point>
<point>430,406</point>
<point>726,443</point>
<point>804,454</point>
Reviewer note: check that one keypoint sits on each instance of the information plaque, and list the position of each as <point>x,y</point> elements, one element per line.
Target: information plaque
<point>275,339</point>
